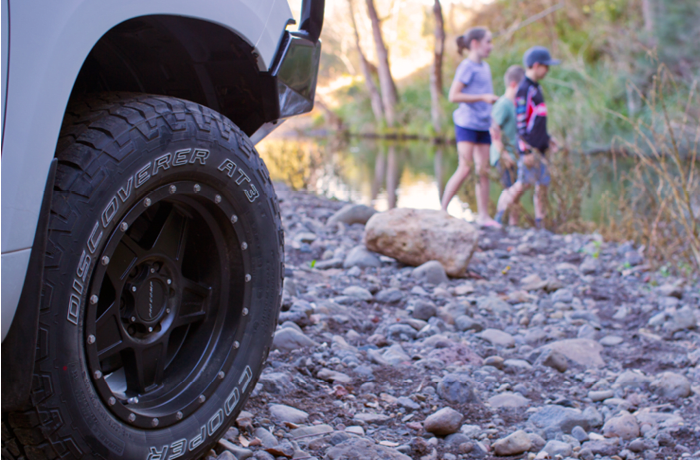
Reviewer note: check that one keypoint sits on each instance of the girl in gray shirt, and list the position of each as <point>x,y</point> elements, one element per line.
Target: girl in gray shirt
<point>472,88</point>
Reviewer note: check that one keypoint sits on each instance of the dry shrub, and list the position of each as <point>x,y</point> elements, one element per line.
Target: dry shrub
<point>659,206</point>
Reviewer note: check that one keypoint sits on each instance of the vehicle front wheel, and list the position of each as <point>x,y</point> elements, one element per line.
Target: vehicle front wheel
<point>162,283</point>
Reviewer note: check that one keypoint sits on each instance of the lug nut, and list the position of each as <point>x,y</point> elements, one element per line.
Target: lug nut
<point>169,281</point>
<point>147,202</point>
<point>112,400</point>
<point>172,189</point>
<point>133,288</point>
<point>167,310</point>
<point>133,400</point>
<point>234,218</point>
<point>133,319</point>
<point>178,415</point>
<point>94,299</point>
<point>105,260</point>
<point>222,374</point>
<point>98,375</point>
<point>153,270</point>
<point>236,345</point>
<point>91,339</point>
<point>245,312</point>
<point>248,278</point>
<point>150,329</point>
<point>217,199</point>
<point>123,226</point>
<point>201,399</point>
<point>244,245</point>
<point>154,422</point>
<point>197,188</point>
<point>132,417</point>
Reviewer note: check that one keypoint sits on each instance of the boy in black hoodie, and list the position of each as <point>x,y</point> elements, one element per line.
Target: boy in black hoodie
<point>533,139</point>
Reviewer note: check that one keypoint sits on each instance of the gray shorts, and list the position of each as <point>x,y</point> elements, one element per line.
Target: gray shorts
<point>536,175</point>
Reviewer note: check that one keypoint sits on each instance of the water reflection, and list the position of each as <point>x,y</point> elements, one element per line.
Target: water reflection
<point>389,174</point>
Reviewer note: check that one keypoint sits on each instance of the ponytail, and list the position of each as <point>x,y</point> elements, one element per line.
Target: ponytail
<point>465,41</point>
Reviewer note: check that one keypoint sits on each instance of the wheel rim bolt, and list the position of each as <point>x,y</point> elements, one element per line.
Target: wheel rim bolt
<point>91,339</point>
<point>178,415</point>
<point>153,270</point>
<point>202,398</point>
<point>112,400</point>
<point>234,218</point>
<point>173,189</point>
<point>236,345</point>
<point>133,288</point>
<point>105,260</point>
<point>94,299</point>
<point>154,422</point>
<point>98,375</point>
<point>124,226</point>
<point>150,329</point>
<point>133,319</point>
<point>132,417</point>
<point>133,400</point>
<point>248,278</point>
<point>147,202</point>
<point>245,312</point>
<point>244,245</point>
<point>222,374</point>
<point>217,199</point>
<point>169,281</point>
<point>167,310</point>
<point>197,188</point>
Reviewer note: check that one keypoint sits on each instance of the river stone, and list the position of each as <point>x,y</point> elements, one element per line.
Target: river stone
<point>671,385</point>
<point>359,256</point>
<point>465,323</point>
<point>424,310</point>
<point>632,379</point>
<point>457,389</point>
<point>277,383</point>
<point>391,295</point>
<point>513,444</point>
<point>361,449</point>
<point>358,293</point>
<point>289,338</point>
<point>416,236</point>
<point>395,355</point>
<point>554,448</point>
<point>508,400</point>
<point>370,417</point>
<point>555,360</point>
<point>559,417</point>
<point>497,338</point>
<point>431,272</point>
<point>585,352</point>
<point>283,413</point>
<point>352,214</point>
<point>443,422</point>
<point>494,305</point>
<point>267,438</point>
<point>333,376</point>
<point>624,426</point>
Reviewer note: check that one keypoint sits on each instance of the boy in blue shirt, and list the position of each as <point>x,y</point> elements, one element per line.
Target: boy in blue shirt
<point>504,134</point>
<point>534,141</point>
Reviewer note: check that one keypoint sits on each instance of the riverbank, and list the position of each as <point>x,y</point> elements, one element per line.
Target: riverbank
<point>561,343</point>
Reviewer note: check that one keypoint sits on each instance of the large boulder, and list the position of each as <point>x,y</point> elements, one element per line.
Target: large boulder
<point>416,236</point>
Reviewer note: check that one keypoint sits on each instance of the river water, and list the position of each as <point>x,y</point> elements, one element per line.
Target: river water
<point>387,174</point>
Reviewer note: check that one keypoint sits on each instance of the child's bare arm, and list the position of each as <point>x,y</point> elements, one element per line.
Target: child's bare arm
<point>456,95</point>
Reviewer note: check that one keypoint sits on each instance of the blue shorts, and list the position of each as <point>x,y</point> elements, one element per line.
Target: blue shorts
<point>537,175</point>
<point>472,135</point>
<point>507,175</point>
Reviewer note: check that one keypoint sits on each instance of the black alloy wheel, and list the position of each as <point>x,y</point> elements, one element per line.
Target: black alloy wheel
<point>163,283</point>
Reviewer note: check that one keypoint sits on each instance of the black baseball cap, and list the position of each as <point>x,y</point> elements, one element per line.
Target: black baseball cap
<point>538,54</point>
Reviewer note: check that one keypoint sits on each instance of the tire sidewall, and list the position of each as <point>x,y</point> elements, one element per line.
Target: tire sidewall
<point>246,185</point>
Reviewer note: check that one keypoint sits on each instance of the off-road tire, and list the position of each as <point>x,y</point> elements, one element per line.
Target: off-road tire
<point>163,220</point>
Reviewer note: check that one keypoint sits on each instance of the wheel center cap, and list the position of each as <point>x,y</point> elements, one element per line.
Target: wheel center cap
<point>150,300</point>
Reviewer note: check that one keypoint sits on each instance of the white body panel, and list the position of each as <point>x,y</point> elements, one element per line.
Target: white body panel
<point>49,41</point>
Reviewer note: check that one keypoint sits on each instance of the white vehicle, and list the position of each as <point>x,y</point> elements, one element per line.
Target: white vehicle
<point>142,249</point>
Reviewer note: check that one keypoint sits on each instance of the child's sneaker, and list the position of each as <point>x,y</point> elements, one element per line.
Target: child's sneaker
<point>499,217</point>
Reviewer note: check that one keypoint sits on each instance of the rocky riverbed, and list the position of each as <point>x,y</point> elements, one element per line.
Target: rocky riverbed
<point>554,346</point>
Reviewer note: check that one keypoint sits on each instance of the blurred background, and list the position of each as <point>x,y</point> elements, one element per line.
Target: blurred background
<point>624,104</point>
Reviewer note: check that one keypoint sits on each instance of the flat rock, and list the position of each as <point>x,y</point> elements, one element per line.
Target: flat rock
<point>291,339</point>
<point>554,448</point>
<point>671,385</point>
<point>457,389</point>
<point>431,272</point>
<point>283,413</point>
<point>371,417</point>
<point>363,448</point>
<point>423,309</point>
<point>416,236</point>
<point>361,257</point>
<point>443,422</point>
<point>559,417</point>
<point>585,352</point>
<point>358,293</point>
<point>508,400</point>
<point>624,426</point>
<point>498,338</point>
<point>391,295</point>
<point>352,214</point>
<point>611,340</point>
<point>513,444</point>
<point>333,376</point>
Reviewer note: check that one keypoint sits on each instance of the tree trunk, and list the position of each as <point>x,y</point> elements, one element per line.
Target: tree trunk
<point>386,82</point>
<point>436,113</point>
<point>374,96</point>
